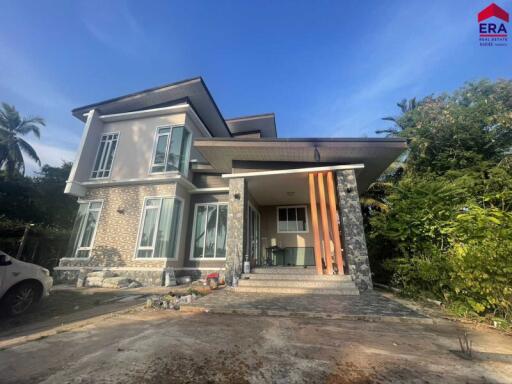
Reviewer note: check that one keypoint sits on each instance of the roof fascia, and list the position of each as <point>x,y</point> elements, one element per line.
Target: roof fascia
<point>292,170</point>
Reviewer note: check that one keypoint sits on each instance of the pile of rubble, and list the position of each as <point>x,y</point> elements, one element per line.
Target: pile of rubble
<point>105,279</point>
<point>170,301</point>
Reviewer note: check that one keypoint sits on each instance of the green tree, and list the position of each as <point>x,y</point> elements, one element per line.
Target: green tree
<point>446,228</point>
<point>400,123</point>
<point>12,145</point>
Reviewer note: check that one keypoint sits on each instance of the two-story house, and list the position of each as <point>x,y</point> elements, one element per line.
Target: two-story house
<point>163,180</point>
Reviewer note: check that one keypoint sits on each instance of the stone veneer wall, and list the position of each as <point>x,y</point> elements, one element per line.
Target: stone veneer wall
<point>235,241</point>
<point>354,242</point>
<point>116,235</point>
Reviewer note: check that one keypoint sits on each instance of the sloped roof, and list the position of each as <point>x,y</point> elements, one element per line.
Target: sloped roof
<point>264,123</point>
<point>193,91</point>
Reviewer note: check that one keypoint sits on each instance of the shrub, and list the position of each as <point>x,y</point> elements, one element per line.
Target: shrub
<point>481,261</point>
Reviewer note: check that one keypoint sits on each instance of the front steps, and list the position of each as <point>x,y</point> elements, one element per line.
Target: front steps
<point>295,280</point>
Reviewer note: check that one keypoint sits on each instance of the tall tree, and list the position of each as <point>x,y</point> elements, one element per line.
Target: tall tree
<point>405,106</point>
<point>12,145</point>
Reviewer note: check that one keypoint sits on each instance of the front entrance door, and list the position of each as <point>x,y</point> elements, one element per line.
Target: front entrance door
<point>254,240</point>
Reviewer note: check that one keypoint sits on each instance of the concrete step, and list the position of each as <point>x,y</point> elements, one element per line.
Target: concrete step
<point>294,276</point>
<point>299,291</point>
<point>322,284</point>
<point>285,270</point>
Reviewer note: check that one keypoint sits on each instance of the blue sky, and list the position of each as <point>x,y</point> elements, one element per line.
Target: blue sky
<point>326,68</point>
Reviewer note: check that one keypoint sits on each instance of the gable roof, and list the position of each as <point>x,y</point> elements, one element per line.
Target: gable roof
<point>192,91</point>
<point>493,10</point>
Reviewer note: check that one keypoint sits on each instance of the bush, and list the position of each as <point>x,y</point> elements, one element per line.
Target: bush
<point>474,275</point>
<point>421,275</point>
<point>481,261</point>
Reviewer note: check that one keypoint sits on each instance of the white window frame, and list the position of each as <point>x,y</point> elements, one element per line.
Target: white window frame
<point>292,206</point>
<point>141,223</point>
<point>155,142</point>
<point>103,156</point>
<point>192,242</point>
<point>81,234</point>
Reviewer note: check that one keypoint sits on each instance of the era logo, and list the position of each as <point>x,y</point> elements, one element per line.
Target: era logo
<point>493,29</point>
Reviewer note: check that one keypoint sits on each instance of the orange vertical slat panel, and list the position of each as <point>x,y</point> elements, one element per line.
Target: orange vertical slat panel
<point>325,223</point>
<point>314,224</point>
<point>334,222</point>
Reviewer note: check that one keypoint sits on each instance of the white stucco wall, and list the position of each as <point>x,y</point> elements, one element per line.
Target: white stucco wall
<point>135,146</point>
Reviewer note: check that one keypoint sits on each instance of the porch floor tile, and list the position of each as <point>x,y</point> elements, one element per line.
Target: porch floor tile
<point>369,306</point>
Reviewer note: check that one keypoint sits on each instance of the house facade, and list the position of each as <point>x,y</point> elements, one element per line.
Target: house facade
<point>164,181</point>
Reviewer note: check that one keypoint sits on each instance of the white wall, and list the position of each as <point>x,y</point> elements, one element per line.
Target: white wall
<point>135,147</point>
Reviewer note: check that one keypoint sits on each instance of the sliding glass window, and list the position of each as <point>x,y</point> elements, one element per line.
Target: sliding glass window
<point>172,150</point>
<point>292,219</point>
<point>209,231</point>
<point>84,229</point>
<point>160,226</point>
<point>105,156</point>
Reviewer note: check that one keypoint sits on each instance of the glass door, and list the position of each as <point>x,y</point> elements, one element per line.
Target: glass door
<point>253,238</point>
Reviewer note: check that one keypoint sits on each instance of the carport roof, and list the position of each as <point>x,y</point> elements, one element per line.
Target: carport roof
<point>375,153</point>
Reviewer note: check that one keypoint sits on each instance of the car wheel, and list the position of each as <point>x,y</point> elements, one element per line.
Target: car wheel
<point>20,298</point>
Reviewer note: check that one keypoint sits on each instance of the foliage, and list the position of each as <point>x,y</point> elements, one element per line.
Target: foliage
<point>12,145</point>
<point>446,230</point>
<point>40,201</point>
<point>481,260</point>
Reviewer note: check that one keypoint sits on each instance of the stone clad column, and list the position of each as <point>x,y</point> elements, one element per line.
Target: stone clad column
<point>353,230</point>
<point>236,229</point>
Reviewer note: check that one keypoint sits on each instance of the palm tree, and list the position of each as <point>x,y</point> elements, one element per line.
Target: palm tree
<point>405,106</point>
<point>12,146</point>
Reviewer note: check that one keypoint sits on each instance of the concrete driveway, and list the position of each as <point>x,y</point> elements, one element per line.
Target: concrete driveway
<point>151,346</point>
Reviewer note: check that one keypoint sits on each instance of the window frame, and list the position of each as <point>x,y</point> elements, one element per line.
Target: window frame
<point>167,147</point>
<point>192,235</point>
<point>113,156</point>
<point>81,235</point>
<point>292,206</point>
<point>141,223</point>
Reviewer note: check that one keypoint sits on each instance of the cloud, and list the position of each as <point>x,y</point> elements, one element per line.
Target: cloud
<point>113,25</point>
<point>48,154</point>
<point>411,43</point>
<point>20,77</point>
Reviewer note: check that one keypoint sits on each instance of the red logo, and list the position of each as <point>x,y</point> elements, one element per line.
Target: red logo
<point>493,32</point>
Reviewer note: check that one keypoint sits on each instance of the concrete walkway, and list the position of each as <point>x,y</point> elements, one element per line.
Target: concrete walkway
<point>369,306</point>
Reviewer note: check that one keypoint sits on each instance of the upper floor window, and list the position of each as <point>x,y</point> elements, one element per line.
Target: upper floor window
<point>105,156</point>
<point>292,219</point>
<point>172,150</point>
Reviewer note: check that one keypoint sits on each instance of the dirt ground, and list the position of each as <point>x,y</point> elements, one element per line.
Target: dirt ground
<point>151,346</point>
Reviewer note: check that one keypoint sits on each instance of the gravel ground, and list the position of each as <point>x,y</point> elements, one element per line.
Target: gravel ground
<point>151,346</point>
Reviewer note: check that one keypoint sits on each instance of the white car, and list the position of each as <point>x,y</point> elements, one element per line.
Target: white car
<point>21,284</point>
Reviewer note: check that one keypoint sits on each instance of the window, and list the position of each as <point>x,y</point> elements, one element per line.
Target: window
<point>105,156</point>
<point>172,148</point>
<point>292,219</point>
<point>84,229</point>
<point>209,231</point>
<point>159,229</point>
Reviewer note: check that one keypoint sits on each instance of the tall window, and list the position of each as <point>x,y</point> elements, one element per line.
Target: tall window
<point>209,231</point>
<point>84,229</point>
<point>105,156</point>
<point>172,148</point>
<point>158,234</point>
<point>292,219</point>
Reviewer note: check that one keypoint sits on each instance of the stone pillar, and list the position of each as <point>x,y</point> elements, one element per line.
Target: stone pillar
<point>354,241</point>
<point>236,230</point>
